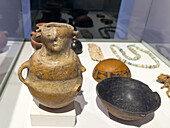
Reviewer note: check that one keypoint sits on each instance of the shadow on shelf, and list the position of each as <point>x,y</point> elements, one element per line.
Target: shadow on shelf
<point>67,108</point>
<point>79,103</point>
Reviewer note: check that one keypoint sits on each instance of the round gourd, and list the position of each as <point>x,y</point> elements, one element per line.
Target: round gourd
<point>110,68</point>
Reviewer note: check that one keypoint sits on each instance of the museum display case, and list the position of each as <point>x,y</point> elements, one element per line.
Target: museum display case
<point>11,38</point>
<point>116,38</point>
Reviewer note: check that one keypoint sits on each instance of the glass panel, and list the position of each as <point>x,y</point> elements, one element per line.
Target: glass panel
<point>157,29</point>
<point>97,19</point>
<point>11,36</point>
<point>93,19</point>
<point>133,17</point>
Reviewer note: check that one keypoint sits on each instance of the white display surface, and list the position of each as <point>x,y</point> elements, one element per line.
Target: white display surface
<point>16,101</point>
<point>43,116</point>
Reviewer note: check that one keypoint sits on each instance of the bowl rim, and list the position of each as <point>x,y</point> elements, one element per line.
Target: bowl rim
<point>130,112</point>
<point>39,43</point>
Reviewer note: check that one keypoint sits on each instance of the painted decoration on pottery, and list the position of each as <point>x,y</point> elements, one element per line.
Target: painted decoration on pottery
<point>110,68</point>
<point>54,71</point>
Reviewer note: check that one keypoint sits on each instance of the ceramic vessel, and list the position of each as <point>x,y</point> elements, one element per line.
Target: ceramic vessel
<point>54,72</point>
<point>37,43</point>
<point>76,46</point>
<point>110,68</point>
<point>3,40</point>
<point>36,37</point>
<point>39,24</point>
<point>127,99</point>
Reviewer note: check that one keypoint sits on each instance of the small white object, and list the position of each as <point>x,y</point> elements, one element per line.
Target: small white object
<point>63,117</point>
<point>95,52</point>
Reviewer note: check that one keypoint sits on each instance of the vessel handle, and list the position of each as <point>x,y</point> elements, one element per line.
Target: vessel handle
<point>83,69</point>
<point>24,65</point>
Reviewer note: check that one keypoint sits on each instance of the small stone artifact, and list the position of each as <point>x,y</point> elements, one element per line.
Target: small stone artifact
<point>83,21</point>
<point>106,21</point>
<point>54,72</point>
<point>86,34</point>
<point>100,15</point>
<point>163,78</point>
<point>110,68</point>
<point>95,52</point>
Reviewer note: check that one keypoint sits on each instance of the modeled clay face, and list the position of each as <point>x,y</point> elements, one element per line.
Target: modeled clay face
<point>56,38</point>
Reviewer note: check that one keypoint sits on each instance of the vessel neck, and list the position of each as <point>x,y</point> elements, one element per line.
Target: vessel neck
<point>54,55</point>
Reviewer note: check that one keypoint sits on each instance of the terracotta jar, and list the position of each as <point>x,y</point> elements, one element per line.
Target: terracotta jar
<point>36,37</point>
<point>54,72</point>
<point>110,68</point>
<point>37,43</point>
<point>40,24</point>
<point>3,40</point>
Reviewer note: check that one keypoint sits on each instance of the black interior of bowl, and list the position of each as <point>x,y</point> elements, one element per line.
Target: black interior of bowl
<point>128,94</point>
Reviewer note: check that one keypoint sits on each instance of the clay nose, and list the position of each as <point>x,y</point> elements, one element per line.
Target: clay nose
<point>55,40</point>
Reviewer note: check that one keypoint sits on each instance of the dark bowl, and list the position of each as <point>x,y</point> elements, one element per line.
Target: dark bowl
<point>127,98</point>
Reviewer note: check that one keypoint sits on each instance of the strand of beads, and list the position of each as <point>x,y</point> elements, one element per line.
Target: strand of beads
<point>138,56</point>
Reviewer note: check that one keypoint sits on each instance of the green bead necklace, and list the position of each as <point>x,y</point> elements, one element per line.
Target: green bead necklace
<point>137,56</point>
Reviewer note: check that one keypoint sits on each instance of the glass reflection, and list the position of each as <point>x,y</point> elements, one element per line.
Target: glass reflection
<point>11,36</point>
<point>93,19</point>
